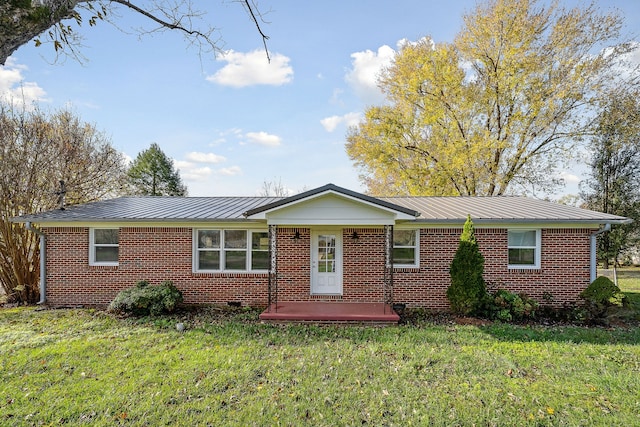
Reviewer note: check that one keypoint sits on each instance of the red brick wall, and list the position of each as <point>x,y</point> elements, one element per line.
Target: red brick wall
<point>153,254</point>
<point>158,254</point>
<point>563,273</point>
<point>363,265</point>
<point>294,264</point>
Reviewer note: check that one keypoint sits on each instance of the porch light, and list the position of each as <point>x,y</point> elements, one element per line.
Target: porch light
<point>296,236</point>
<point>355,235</point>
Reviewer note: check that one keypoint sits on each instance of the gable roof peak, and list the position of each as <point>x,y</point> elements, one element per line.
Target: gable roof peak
<point>331,188</point>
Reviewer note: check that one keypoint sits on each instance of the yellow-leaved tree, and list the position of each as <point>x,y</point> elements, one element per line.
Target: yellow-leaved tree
<point>497,110</point>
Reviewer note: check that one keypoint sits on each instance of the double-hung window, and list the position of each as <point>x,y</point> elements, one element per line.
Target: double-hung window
<point>524,248</point>
<point>406,248</point>
<point>231,250</point>
<point>104,246</point>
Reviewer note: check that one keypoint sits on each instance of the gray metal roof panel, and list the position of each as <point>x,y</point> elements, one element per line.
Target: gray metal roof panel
<point>154,208</point>
<point>504,208</point>
<point>431,209</point>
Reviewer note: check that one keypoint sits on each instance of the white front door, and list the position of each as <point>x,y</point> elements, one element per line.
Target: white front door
<point>326,262</point>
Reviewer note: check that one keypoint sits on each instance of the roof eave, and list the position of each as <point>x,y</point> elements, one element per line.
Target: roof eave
<point>127,220</point>
<point>477,221</point>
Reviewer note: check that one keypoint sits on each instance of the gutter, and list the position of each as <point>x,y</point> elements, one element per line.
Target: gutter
<point>594,261</point>
<point>43,262</point>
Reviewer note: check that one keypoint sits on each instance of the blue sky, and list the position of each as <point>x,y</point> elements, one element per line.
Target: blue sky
<point>233,122</point>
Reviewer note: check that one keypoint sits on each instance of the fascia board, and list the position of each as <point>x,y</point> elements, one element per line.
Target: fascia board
<point>510,223</point>
<point>264,214</point>
<point>146,223</point>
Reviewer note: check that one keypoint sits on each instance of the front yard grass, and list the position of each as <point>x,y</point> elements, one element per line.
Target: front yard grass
<point>84,367</point>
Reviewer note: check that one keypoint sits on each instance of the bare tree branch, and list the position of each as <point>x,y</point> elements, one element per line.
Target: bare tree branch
<point>21,22</point>
<point>255,20</point>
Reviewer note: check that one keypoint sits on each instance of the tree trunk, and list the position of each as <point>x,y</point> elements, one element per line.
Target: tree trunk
<point>20,23</point>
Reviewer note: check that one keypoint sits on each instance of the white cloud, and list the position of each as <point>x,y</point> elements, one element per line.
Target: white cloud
<point>570,178</point>
<point>196,174</point>
<point>252,68</point>
<point>406,42</point>
<point>350,119</point>
<point>192,171</point>
<point>263,138</point>
<point>197,157</point>
<point>628,64</point>
<point>14,88</point>
<point>224,135</point>
<point>366,68</point>
<point>232,171</point>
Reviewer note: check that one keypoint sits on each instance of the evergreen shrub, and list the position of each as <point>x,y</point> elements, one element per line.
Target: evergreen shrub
<point>601,294</point>
<point>467,291</point>
<point>508,306</point>
<point>143,299</point>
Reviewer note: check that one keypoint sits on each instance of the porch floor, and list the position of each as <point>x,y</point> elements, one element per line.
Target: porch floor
<point>330,312</point>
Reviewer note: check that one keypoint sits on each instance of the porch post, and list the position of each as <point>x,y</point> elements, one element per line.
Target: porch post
<point>272,289</point>
<point>387,292</point>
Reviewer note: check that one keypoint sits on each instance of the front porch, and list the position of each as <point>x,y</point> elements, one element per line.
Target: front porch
<point>330,312</point>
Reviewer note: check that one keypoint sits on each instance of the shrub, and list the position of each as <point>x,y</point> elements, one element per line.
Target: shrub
<point>143,299</point>
<point>601,294</point>
<point>467,290</point>
<point>507,306</point>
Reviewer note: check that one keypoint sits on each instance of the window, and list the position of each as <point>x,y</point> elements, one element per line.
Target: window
<point>260,250</point>
<point>208,250</point>
<point>231,250</point>
<point>405,248</point>
<point>235,250</point>
<point>524,248</point>
<point>104,246</point>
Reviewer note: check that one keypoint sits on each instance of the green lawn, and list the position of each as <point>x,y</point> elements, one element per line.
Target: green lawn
<point>82,367</point>
<point>629,283</point>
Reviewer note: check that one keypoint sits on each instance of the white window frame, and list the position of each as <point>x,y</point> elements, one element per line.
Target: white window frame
<point>222,250</point>
<point>537,253</point>
<point>93,245</point>
<point>416,247</point>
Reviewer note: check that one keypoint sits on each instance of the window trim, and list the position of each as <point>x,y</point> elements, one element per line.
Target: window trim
<point>93,245</point>
<point>416,253</point>
<point>537,254</point>
<point>222,250</point>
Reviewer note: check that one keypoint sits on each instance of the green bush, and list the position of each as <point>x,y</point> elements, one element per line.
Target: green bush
<point>143,299</point>
<point>601,294</point>
<point>467,291</point>
<point>507,306</point>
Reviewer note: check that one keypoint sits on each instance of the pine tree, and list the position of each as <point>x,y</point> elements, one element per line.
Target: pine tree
<point>152,174</point>
<point>467,289</point>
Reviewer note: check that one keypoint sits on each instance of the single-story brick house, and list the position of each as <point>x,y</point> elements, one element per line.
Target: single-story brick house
<point>326,244</point>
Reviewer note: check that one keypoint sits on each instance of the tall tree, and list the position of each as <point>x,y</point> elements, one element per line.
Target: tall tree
<point>613,185</point>
<point>52,20</point>
<point>152,174</point>
<point>499,108</point>
<point>37,151</point>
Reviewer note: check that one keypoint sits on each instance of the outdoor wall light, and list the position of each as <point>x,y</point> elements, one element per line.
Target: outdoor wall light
<point>296,236</point>
<point>355,235</point>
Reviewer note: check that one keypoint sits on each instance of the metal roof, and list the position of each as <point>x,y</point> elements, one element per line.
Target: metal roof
<point>431,209</point>
<point>154,208</point>
<point>499,209</point>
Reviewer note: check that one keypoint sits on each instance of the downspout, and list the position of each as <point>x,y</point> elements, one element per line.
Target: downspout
<point>594,261</point>
<point>43,262</point>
